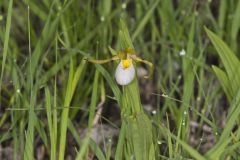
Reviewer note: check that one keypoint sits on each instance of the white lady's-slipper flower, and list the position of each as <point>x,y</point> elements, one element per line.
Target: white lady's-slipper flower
<point>125,72</point>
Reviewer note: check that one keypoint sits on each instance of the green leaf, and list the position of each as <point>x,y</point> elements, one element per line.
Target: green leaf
<point>64,114</point>
<point>121,141</point>
<point>124,37</point>
<point>116,91</point>
<point>236,22</point>
<point>229,59</point>
<point>40,129</point>
<point>222,77</point>
<point>140,136</point>
<point>6,40</point>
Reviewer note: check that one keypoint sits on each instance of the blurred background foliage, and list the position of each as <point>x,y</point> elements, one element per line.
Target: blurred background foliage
<point>47,86</point>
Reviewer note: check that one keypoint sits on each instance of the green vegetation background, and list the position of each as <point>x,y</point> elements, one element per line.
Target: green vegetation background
<point>50,95</point>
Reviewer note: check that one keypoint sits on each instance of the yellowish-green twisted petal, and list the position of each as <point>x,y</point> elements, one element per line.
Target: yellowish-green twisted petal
<point>150,65</point>
<point>96,61</point>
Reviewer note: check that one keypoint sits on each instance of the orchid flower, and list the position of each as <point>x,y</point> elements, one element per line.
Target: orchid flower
<point>125,71</point>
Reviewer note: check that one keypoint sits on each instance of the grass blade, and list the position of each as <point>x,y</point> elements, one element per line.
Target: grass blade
<point>219,148</point>
<point>145,19</point>
<point>6,40</point>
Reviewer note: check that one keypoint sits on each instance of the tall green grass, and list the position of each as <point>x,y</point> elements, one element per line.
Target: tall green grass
<point>52,98</point>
